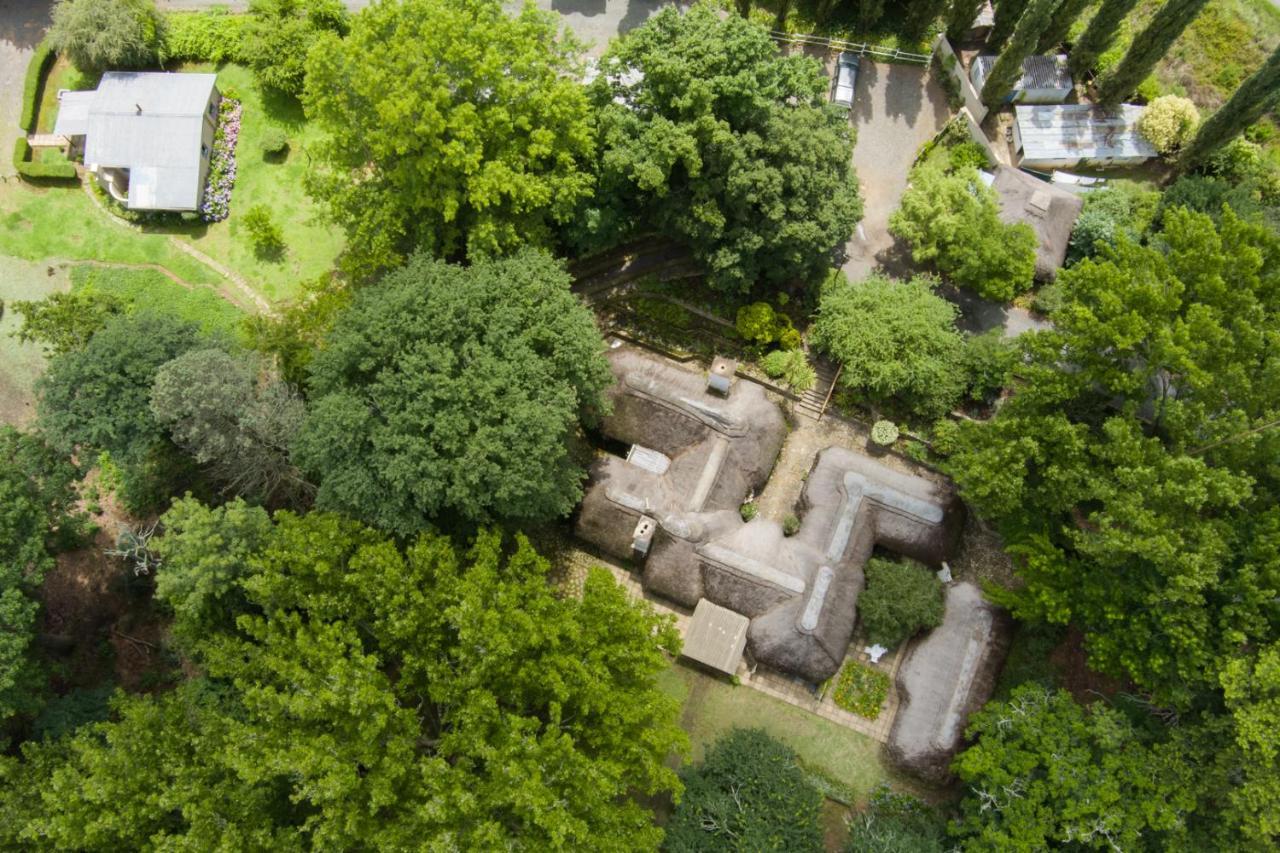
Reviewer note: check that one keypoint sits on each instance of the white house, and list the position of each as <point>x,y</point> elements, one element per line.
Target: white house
<point>1065,135</point>
<point>146,135</point>
<point>1044,80</point>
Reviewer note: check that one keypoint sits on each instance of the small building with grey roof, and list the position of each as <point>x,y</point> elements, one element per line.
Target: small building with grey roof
<point>147,136</point>
<point>1044,80</point>
<point>1063,136</point>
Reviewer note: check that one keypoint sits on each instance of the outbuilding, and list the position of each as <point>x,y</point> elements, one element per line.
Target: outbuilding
<point>1050,211</point>
<point>1044,80</point>
<point>1063,136</point>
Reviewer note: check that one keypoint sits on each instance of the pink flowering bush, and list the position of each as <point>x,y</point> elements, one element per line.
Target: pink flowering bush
<point>222,163</point>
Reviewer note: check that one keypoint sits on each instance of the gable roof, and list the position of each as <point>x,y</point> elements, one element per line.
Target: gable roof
<point>1050,211</point>
<point>1081,132</point>
<point>151,123</point>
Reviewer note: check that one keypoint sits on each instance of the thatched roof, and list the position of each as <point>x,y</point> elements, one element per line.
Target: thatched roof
<point>716,637</point>
<point>799,592</point>
<point>945,677</point>
<point>1050,211</point>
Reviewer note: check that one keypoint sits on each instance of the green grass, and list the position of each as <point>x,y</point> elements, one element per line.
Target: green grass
<point>61,76</point>
<point>276,183</point>
<point>21,364</point>
<point>152,290</point>
<point>713,707</point>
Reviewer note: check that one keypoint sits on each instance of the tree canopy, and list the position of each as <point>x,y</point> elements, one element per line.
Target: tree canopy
<point>707,133</point>
<point>895,339</point>
<point>100,34</point>
<point>455,391</point>
<point>380,698</point>
<point>281,33</point>
<point>451,127</point>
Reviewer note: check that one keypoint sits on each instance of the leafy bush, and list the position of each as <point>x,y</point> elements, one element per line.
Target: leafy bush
<point>748,510</point>
<point>900,599</point>
<point>790,525</point>
<point>989,360</point>
<point>792,367</point>
<point>63,322</point>
<point>213,36</point>
<point>861,690</point>
<point>1169,122</point>
<point>968,155</point>
<point>41,59</point>
<point>1121,209</point>
<point>274,140</point>
<point>29,169</point>
<point>897,823</point>
<point>884,433</point>
<point>264,233</point>
<point>281,33</point>
<point>69,712</point>
<point>946,434</point>
<point>1049,298</point>
<point>100,34</point>
<point>750,793</point>
<point>896,340</point>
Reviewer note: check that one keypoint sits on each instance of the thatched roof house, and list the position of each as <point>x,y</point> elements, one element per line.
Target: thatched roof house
<point>946,676</point>
<point>681,518</point>
<point>1050,211</point>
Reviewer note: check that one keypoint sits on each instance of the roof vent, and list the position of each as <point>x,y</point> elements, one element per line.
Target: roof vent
<point>138,107</point>
<point>720,377</point>
<point>1039,202</point>
<point>642,538</point>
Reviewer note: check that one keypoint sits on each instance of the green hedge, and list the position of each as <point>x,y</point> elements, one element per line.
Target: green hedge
<point>40,62</point>
<point>29,169</point>
<point>213,36</point>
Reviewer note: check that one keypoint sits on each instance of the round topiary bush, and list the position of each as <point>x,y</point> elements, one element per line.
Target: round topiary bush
<point>748,510</point>
<point>900,600</point>
<point>1169,122</point>
<point>884,433</point>
<point>274,141</point>
<point>790,525</point>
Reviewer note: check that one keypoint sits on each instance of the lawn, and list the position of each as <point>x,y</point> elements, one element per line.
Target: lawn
<point>21,363</point>
<point>153,290</point>
<point>713,707</point>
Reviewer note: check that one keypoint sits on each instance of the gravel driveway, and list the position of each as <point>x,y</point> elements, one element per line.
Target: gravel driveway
<point>896,109</point>
<point>22,23</point>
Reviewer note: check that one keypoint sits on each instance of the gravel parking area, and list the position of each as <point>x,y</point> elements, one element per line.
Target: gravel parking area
<point>22,23</point>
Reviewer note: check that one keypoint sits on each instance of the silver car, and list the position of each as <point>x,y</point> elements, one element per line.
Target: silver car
<point>846,77</point>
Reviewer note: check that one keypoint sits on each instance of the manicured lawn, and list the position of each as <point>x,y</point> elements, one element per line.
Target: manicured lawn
<point>713,707</point>
<point>276,183</point>
<point>152,290</point>
<point>61,76</point>
<point>21,364</point>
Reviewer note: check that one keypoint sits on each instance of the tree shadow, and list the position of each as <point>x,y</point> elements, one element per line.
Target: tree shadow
<point>23,22</point>
<point>282,108</point>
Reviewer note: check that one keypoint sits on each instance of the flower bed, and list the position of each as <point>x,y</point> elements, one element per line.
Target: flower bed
<point>861,690</point>
<point>222,164</point>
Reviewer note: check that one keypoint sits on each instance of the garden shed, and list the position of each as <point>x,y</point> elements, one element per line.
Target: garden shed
<point>1061,136</point>
<point>1050,211</point>
<point>1044,80</point>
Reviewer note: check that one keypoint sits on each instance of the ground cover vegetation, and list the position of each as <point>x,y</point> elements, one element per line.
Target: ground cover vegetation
<point>900,599</point>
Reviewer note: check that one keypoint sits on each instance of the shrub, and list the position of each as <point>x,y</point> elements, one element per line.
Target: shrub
<point>1122,209</point>
<point>897,823</point>
<point>989,360</point>
<point>757,323</point>
<point>274,141</point>
<point>100,34</point>
<point>748,510</point>
<point>41,60</point>
<point>264,233</point>
<point>884,433</point>
<point>750,793</point>
<point>1169,122</point>
<point>861,690</point>
<point>30,169</point>
<point>968,155</point>
<point>900,599</point>
<point>213,36</point>
<point>792,367</point>
<point>1048,299</point>
<point>790,525</point>
<point>946,435</point>
<point>280,34</point>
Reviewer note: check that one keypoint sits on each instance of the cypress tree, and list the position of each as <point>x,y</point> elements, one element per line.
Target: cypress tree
<point>1098,35</point>
<point>1148,47</point>
<point>1261,92</point>
<point>960,18</point>
<point>1061,23</point>
<point>1008,13</point>
<point>1008,68</point>
<point>920,15</point>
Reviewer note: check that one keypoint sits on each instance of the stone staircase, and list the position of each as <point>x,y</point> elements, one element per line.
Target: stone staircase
<point>813,402</point>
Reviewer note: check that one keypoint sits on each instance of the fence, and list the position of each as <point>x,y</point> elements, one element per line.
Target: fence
<point>951,65</point>
<point>884,54</point>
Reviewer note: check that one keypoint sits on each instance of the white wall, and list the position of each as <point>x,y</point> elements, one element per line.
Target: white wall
<point>951,61</point>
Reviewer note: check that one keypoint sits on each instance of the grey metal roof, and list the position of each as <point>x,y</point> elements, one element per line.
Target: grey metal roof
<point>73,113</point>
<point>151,124</point>
<point>716,637</point>
<point>1081,132</point>
<point>1038,72</point>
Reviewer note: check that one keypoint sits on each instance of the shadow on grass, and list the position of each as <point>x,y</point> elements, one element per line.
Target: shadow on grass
<point>282,108</point>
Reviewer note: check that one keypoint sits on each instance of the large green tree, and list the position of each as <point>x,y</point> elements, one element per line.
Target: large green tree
<point>1007,15</point>
<point>450,126</point>
<point>1134,471</point>
<point>450,391</point>
<point>378,698</point>
<point>1032,24</point>
<point>1099,35</point>
<point>1148,48</point>
<point>1064,16</point>
<point>897,341</point>
<point>960,18</point>
<point>953,221</point>
<point>281,33</point>
<point>1246,105</point>
<point>97,35</point>
<point>708,134</point>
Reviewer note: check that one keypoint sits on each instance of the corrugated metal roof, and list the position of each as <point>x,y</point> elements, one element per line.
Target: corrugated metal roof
<point>73,113</point>
<point>151,123</point>
<point>1081,132</point>
<point>1038,72</point>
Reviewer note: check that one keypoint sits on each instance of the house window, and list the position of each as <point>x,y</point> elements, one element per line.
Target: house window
<point>204,151</point>
<point>213,110</point>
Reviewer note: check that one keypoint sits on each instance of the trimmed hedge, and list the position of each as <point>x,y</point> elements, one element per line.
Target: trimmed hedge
<point>213,36</point>
<point>40,62</point>
<point>29,169</point>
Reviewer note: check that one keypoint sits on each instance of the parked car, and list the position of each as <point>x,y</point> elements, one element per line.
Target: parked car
<point>846,77</point>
